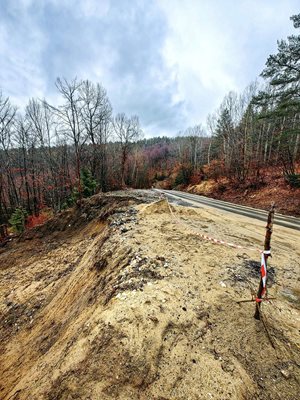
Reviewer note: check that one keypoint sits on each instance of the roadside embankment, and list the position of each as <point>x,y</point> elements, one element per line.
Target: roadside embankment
<point>120,300</point>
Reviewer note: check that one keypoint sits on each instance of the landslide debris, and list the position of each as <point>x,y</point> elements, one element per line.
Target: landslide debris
<point>118,300</point>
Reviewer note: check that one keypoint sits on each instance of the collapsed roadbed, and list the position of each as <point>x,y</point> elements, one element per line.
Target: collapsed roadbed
<point>118,300</point>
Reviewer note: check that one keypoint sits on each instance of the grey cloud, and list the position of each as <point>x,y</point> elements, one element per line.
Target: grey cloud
<point>124,43</point>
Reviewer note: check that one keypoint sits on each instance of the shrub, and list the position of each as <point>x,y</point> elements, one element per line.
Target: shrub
<point>183,177</point>
<point>196,178</point>
<point>293,180</point>
<point>215,170</point>
<point>34,220</point>
<point>18,219</point>
<point>221,188</point>
<point>88,188</point>
<point>160,177</point>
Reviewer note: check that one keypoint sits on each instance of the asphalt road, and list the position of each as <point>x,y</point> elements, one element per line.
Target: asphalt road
<point>198,201</point>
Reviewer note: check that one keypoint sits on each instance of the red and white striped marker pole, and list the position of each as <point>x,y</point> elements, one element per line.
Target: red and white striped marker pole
<point>262,289</point>
<point>263,273</point>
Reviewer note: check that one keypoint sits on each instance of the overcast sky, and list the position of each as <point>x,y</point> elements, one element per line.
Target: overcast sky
<point>169,61</point>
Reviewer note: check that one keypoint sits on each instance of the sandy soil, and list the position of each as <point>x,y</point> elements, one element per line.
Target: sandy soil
<point>120,300</point>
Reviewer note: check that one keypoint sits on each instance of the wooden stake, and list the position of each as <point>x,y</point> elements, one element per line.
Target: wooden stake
<point>266,329</point>
<point>251,300</point>
<point>267,247</point>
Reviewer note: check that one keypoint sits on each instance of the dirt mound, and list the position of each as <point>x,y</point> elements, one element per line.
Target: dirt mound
<point>129,305</point>
<point>204,188</point>
<point>158,207</point>
<point>98,207</point>
<point>186,211</point>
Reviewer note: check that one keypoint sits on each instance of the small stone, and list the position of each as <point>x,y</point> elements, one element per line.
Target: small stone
<point>261,384</point>
<point>227,367</point>
<point>285,373</point>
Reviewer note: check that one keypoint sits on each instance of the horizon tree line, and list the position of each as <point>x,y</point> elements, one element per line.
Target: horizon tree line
<point>46,151</point>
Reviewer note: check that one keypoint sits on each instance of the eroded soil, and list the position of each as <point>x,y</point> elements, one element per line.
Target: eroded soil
<point>273,189</point>
<point>120,300</point>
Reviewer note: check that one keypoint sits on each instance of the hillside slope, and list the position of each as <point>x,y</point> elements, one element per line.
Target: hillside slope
<point>122,300</point>
<point>275,189</point>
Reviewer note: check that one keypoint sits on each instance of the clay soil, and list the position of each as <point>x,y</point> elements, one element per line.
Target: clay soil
<point>123,299</point>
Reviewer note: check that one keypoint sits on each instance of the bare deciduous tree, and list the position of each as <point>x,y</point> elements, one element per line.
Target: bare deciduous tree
<point>96,114</point>
<point>70,118</point>
<point>127,130</point>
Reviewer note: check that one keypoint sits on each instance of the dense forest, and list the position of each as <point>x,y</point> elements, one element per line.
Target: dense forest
<point>53,155</point>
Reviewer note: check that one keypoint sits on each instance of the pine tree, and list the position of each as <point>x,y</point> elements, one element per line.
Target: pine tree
<point>18,219</point>
<point>88,183</point>
<point>224,136</point>
<point>280,103</point>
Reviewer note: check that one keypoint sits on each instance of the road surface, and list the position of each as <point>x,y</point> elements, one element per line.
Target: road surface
<point>198,201</point>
